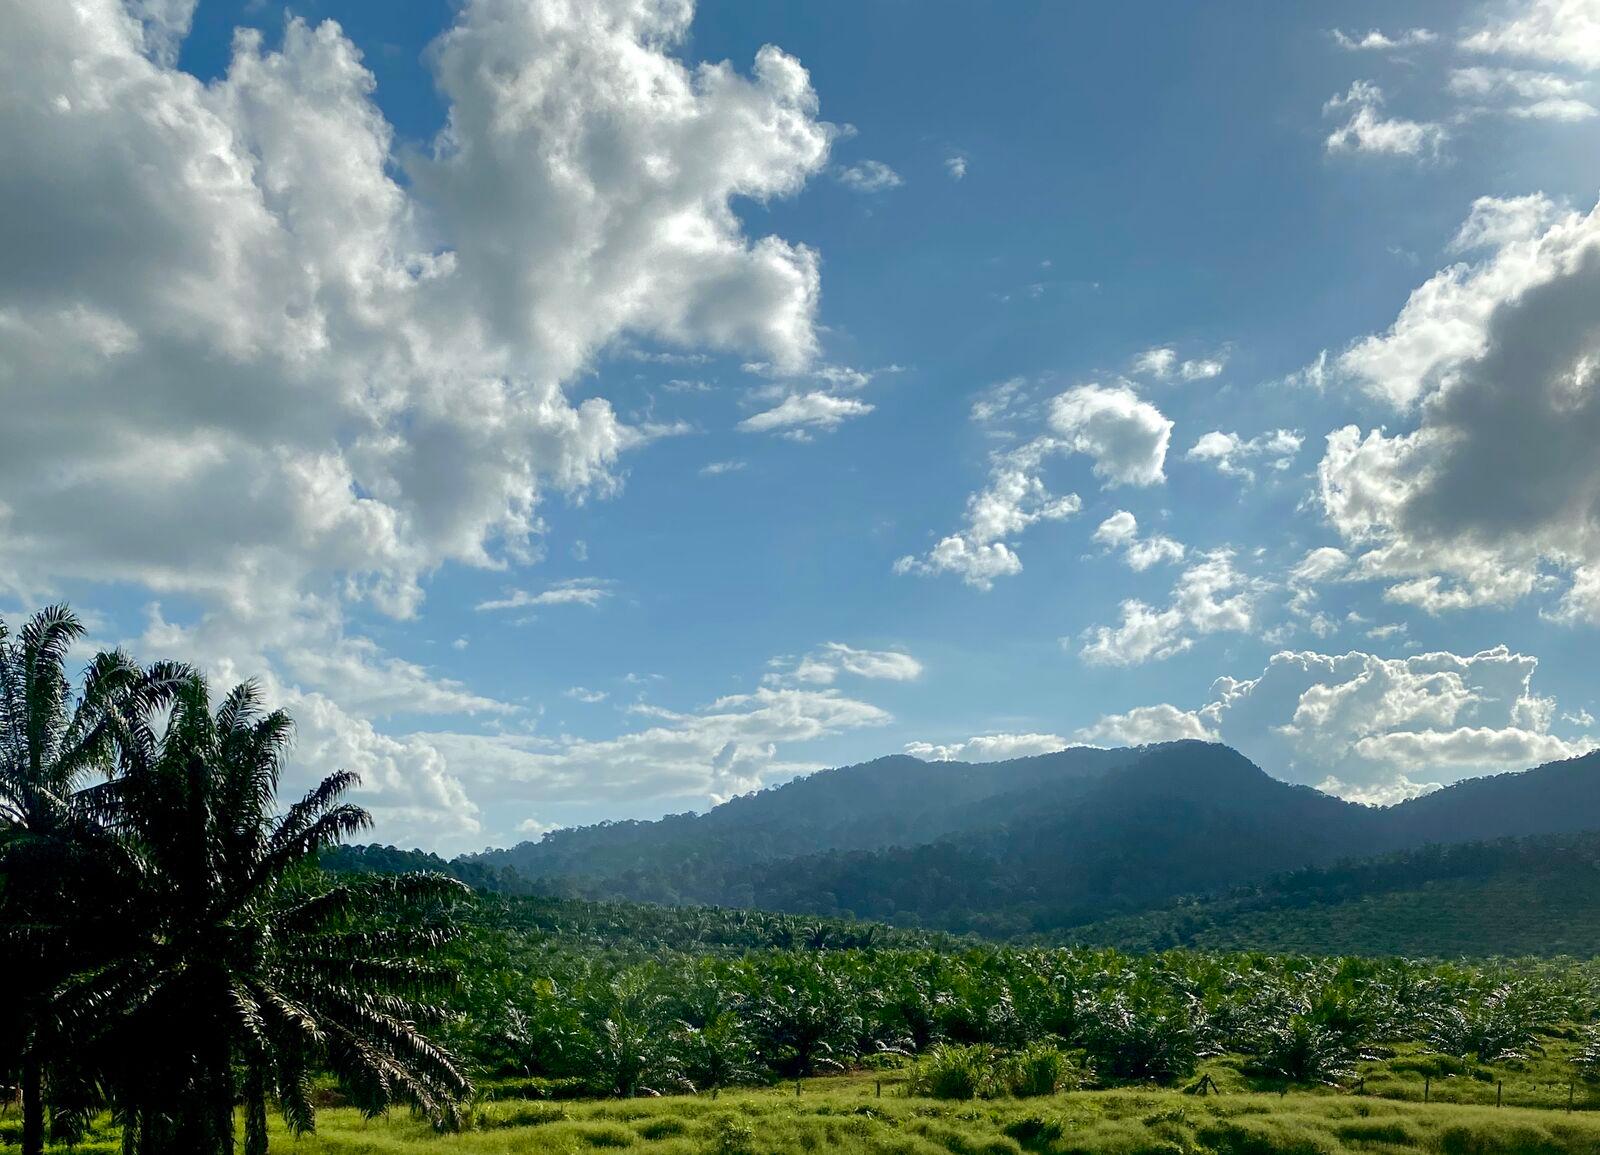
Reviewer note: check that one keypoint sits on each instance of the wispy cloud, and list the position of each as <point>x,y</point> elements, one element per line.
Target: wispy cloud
<point>1369,131</point>
<point>869,176</point>
<point>1376,41</point>
<point>572,592</point>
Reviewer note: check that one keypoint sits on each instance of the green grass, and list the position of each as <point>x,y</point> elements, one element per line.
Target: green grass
<point>846,1115</point>
<point>875,1112</point>
<point>1543,1081</point>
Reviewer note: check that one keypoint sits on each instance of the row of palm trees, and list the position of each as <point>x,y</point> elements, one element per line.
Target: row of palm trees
<point>173,955</point>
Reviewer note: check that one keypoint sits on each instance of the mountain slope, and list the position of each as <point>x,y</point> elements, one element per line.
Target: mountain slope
<point>1175,819</point>
<point>1522,896</point>
<point>1034,845</point>
<point>1549,799</point>
<point>890,801</point>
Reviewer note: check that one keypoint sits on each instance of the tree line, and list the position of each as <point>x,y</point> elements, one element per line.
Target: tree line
<point>174,954</point>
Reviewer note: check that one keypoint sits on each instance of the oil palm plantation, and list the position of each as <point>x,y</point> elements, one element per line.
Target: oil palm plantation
<point>56,752</point>
<point>254,971</point>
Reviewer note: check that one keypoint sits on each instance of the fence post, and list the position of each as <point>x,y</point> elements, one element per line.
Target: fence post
<point>880,1088</point>
<point>797,1088</point>
<point>1499,1092</point>
<point>1427,1087</point>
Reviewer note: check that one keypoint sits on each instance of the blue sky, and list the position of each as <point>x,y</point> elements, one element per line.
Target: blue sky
<point>589,410</point>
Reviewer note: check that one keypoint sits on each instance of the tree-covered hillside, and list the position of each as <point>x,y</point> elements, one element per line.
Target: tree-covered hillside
<point>1528,896</point>
<point>1031,846</point>
<point>379,859</point>
<point>1509,897</point>
<point>894,801</point>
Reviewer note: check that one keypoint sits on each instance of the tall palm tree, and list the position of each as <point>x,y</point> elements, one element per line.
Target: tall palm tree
<point>55,754</point>
<point>256,971</point>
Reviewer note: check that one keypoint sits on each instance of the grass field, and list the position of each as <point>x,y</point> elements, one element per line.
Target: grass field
<point>848,1114</point>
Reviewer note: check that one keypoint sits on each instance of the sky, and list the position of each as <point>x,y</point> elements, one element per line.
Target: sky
<point>590,409</point>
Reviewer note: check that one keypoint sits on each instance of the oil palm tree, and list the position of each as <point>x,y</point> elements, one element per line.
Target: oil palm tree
<point>56,752</point>
<point>255,971</point>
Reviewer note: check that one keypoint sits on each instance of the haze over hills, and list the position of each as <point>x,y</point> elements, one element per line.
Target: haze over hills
<point>1032,845</point>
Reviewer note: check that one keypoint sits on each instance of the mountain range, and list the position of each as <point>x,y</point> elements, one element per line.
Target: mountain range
<point>1034,845</point>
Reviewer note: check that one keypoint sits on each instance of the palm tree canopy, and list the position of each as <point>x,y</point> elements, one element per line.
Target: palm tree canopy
<point>182,949</point>
<point>60,867</point>
<point>272,969</point>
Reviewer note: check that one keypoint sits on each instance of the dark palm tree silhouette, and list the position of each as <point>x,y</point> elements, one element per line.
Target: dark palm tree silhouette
<point>58,864</point>
<point>255,970</point>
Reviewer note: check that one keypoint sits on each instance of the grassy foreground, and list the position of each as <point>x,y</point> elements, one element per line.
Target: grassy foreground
<point>847,1115</point>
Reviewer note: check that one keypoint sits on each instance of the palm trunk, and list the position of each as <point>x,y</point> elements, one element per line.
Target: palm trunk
<point>204,1125</point>
<point>160,1134</point>
<point>32,1103</point>
<point>255,1113</point>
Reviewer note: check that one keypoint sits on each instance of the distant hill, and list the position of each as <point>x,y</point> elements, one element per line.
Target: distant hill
<point>1551,799</point>
<point>1510,897</point>
<point>1029,846</point>
<point>1175,819</point>
<point>1518,896</point>
<point>376,859</point>
<point>893,801</point>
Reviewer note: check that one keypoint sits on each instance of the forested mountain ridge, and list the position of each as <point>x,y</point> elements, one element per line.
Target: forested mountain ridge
<point>892,801</point>
<point>1511,897</point>
<point>1550,799</point>
<point>1032,845</point>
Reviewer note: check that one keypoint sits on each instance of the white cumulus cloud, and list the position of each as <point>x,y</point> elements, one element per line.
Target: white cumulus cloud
<point>1229,454</point>
<point>1209,597</point>
<point>870,176</point>
<point>988,748</point>
<point>1158,361</point>
<point>730,746</point>
<point>1558,31</point>
<point>1120,531</point>
<point>1015,499</point>
<point>1162,361</point>
<point>1367,727</point>
<point>1495,361</point>
<point>1146,724</point>
<point>323,367</point>
<point>1126,436</point>
<point>1368,131</point>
